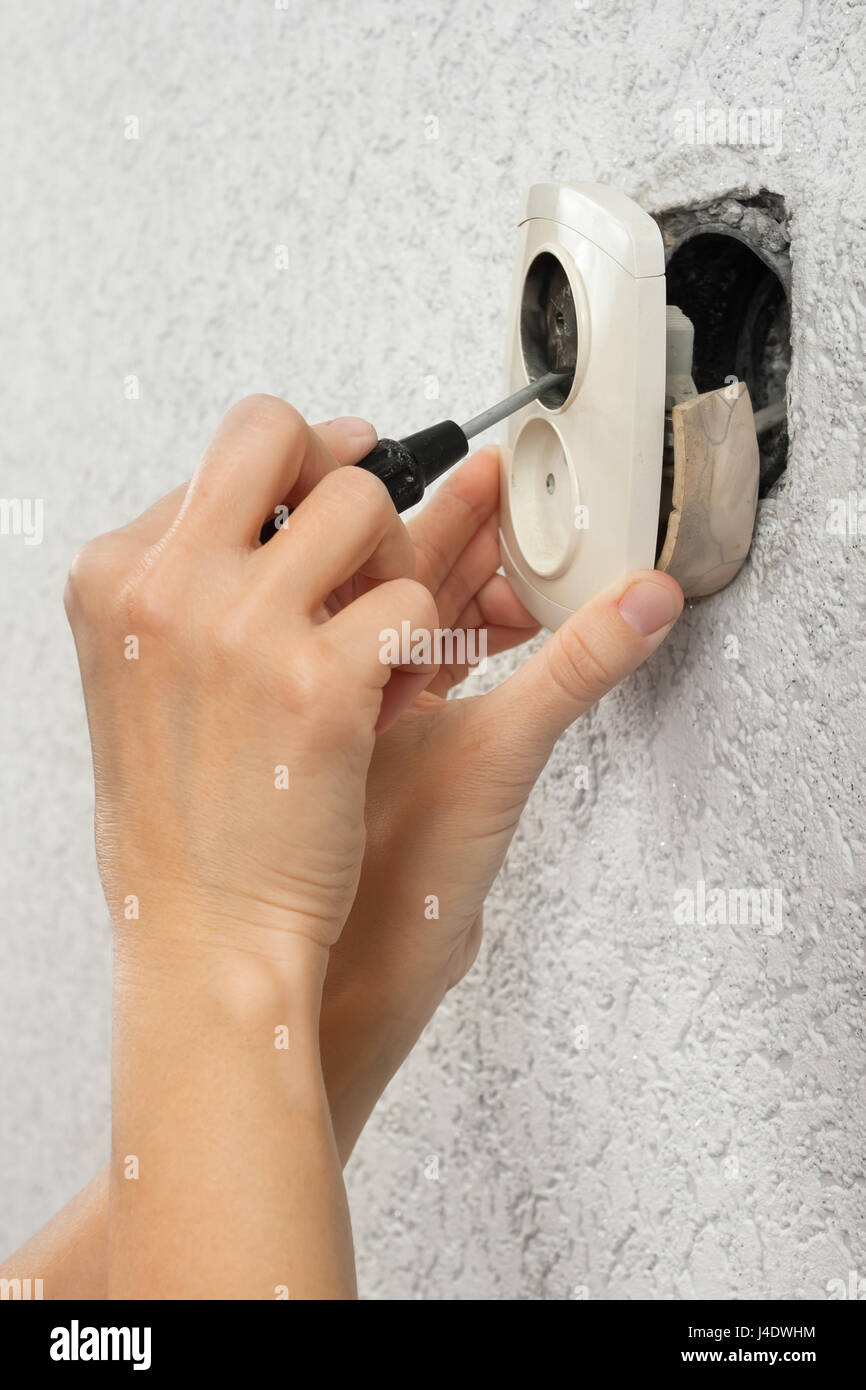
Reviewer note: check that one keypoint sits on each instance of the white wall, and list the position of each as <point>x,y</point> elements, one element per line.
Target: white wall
<point>709,1140</point>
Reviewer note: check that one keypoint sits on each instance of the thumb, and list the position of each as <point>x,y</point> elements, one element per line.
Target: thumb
<point>598,646</point>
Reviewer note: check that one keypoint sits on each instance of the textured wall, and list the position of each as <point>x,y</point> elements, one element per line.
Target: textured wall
<point>621,1106</point>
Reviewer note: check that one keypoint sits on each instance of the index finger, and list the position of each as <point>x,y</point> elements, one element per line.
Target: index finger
<point>263,455</point>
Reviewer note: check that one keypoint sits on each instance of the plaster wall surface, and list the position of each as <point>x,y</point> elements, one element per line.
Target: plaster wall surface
<point>615,1104</point>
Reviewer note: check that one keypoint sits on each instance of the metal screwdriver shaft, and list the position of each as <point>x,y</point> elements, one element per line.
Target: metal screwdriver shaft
<point>407,465</point>
<point>479,423</point>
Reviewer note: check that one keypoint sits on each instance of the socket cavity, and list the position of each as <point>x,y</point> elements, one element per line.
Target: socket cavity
<point>548,325</point>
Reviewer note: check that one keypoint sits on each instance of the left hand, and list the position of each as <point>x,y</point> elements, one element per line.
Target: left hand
<point>448,781</point>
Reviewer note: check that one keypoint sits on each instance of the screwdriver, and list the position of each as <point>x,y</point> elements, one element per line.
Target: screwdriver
<point>406,466</point>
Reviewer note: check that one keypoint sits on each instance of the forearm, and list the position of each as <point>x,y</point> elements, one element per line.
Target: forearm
<point>225,1179</point>
<point>364,1039</point>
<point>366,1034</point>
<point>69,1254</point>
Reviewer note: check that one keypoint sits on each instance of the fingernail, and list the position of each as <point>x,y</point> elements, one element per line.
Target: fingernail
<point>352,425</point>
<point>647,606</point>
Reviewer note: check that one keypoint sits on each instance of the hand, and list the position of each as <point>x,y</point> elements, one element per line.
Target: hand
<point>232,712</point>
<point>233,708</point>
<point>444,794</point>
<point>448,782</point>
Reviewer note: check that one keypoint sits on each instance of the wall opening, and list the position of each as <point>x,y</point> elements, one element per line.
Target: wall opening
<point>729,270</point>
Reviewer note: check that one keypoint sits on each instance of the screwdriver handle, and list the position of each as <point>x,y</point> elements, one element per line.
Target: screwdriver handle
<point>398,469</point>
<point>407,465</point>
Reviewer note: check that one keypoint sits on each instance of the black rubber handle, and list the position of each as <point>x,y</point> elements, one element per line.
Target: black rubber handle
<point>407,465</point>
<point>395,463</point>
<point>437,448</point>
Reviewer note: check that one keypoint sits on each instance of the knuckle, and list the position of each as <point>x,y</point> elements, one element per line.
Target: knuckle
<point>228,638</point>
<point>94,576</point>
<point>433,554</point>
<point>149,602</point>
<point>576,668</point>
<point>359,488</point>
<point>315,680</point>
<point>263,413</point>
<point>417,600</point>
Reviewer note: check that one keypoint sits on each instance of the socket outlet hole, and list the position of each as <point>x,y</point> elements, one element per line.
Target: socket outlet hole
<point>548,325</point>
<point>543,498</point>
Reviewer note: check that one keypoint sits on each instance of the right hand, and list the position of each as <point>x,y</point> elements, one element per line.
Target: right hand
<point>232,713</point>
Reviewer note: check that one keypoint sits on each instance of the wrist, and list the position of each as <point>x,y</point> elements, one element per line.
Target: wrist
<point>171,908</point>
<point>224,970</point>
<point>232,1020</point>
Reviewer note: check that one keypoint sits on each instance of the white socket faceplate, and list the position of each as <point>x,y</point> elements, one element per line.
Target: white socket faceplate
<point>580,484</point>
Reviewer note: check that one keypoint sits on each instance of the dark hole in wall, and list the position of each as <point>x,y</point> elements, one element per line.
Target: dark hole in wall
<point>729,270</point>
